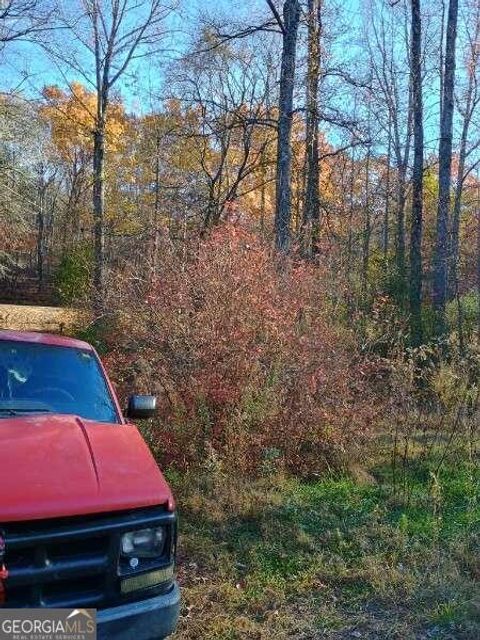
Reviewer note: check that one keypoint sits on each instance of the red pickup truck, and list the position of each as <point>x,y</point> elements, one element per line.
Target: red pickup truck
<point>86,518</point>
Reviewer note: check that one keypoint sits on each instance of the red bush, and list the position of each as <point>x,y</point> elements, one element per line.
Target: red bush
<point>245,356</point>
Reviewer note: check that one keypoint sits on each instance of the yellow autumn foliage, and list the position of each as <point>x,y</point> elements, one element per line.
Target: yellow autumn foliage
<point>71,116</point>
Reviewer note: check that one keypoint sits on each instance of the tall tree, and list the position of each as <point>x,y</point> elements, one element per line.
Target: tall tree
<point>283,209</point>
<point>467,106</point>
<point>70,116</point>
<point>367,224</point>
<point>477,215</point>
<point>112,33</point>
<point>311,207</point>
<point>386,210</point>
<point>393,94</point>
<point>445,168</point>
<point>417,177</point>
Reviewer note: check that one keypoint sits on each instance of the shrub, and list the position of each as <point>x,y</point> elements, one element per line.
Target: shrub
<point>469,306</point>
<point>245,356</point>
<point>73,277</point>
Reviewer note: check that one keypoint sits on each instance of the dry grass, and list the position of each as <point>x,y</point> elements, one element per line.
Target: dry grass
<point>48,319</point>
<point>333,560</point>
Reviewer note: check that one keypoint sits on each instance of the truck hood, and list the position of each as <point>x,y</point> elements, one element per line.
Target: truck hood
<point>62,465</point>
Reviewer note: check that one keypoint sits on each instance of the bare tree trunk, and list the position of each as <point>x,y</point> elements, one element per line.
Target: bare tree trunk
<point>441,60</point>
<point>477,211</point>
<point>454,241</point>
<point>417,178</point>
<point>367,230</point>
<point>263,194</point>
<point>386,211</point>
<point>283,213</point>
<point>99,211</point>
<point>400,239</point>
<point>351,207</point>
<point>402,155</point>
<point>156,208</point>
<point>445,170</point>
<point>41,234</point>
<point>402,164</point>
<point>311,209</point>
<point>471,100</point>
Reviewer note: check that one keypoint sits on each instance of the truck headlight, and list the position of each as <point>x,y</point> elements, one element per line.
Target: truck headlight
<point>144,543</point>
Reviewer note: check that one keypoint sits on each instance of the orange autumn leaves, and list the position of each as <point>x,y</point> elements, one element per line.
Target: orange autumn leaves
<point>71,116</point>
<point>244,357</point>
<point>172,134</point>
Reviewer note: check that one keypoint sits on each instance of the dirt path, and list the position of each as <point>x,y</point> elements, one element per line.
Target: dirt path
<point>30,318</point>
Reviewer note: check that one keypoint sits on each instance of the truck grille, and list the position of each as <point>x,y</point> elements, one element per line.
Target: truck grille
<point>73,562</point>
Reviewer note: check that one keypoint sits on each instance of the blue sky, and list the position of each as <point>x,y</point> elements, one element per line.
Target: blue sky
<point>27,67</point>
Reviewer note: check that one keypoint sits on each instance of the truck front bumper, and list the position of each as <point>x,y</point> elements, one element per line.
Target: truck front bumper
<point>150,619</point>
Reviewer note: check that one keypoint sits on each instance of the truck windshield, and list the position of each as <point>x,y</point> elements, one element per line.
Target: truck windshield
<point>39,378</point>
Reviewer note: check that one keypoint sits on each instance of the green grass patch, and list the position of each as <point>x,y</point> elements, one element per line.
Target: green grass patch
<point>326,558</point>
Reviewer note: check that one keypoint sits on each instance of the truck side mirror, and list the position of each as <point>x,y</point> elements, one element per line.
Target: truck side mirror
<point>141,407</point>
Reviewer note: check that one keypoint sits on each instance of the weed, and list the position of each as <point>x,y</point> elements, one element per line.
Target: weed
<point>280,557</point>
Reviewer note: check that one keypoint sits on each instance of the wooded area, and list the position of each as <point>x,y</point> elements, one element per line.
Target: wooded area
<point>271,210</point>
<point>329,152</point>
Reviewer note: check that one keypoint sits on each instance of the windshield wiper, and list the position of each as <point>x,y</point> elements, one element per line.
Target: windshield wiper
<point>18,412</point>
<point>9,412</point>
